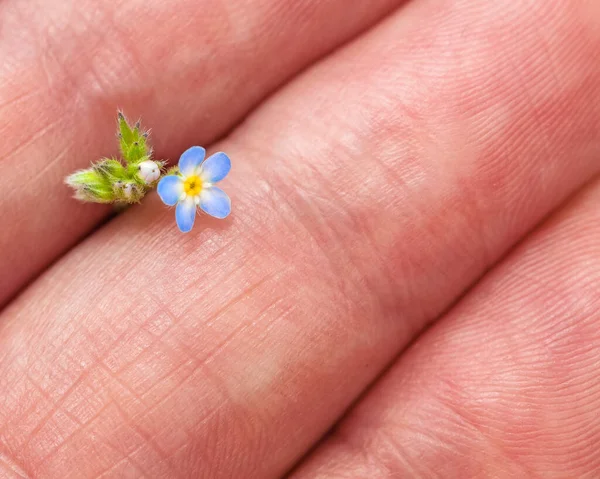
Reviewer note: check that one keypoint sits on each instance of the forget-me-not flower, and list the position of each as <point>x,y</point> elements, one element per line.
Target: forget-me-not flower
<point>194,187</point>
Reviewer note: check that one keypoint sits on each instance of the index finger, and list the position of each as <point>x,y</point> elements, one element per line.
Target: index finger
<point>191,69</point>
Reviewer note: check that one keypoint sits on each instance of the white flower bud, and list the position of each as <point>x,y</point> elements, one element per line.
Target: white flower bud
<point>149,171</point>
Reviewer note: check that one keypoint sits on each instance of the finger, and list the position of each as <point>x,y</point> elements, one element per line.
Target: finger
<point>191,69</point>
<point>505,386</point>
<point>352,228</point>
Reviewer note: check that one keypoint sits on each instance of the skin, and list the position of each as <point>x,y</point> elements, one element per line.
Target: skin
<point>412,253</point>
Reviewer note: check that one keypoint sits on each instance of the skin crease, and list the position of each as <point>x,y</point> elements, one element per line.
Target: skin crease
<point>369,194</point>
<point>524,405</point>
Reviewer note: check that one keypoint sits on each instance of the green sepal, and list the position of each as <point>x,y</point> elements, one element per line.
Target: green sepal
<point>108,181</point>
<point>111,169</point>
<point>91,185</point>
<point>133,141</point>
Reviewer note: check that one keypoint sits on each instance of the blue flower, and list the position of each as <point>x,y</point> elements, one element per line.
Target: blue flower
<point>194,187</point>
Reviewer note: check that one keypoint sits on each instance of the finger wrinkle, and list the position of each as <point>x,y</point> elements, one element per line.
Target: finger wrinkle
<point>338,337</point>
<point>10,469</point>
<point>526,387</point>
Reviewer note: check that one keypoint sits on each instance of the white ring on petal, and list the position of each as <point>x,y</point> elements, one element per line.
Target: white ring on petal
<point>191,159</point>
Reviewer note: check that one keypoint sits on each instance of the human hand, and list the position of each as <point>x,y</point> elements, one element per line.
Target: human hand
<point>370,193</point>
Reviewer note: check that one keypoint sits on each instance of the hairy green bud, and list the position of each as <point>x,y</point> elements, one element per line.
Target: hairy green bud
<point>114,181</point>
<point>133,142</point>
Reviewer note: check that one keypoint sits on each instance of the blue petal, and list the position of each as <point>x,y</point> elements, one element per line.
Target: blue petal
<point>191,159</point>
<point>215,202</point>
<point>169,189</point>
<point>185,214</point>
<point>215,168</point>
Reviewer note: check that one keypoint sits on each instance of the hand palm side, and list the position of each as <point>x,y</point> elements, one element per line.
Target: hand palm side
<point>369,193</point>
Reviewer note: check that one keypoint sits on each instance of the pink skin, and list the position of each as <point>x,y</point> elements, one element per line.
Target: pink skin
<point>369,194</point>
<point>506,385</point>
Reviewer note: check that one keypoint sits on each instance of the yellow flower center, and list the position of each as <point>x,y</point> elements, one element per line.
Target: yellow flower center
<point>192,186</point>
